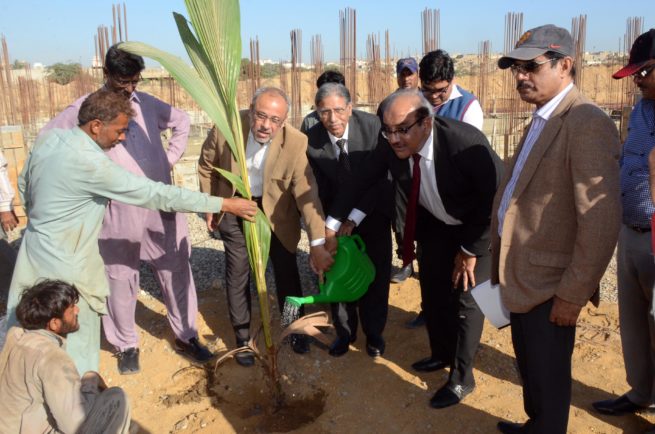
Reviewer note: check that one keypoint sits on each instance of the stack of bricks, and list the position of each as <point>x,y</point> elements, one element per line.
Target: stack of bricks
<point>13,148</point>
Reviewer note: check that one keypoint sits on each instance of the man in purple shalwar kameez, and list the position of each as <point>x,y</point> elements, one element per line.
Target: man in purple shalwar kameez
<point>130,234</point>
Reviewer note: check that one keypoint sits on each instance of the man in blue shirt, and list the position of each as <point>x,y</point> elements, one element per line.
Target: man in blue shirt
<point>636,272</point>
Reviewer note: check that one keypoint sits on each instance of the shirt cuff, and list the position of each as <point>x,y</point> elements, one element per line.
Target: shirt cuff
<point>467,252</point>
<point>317,242</point>
<point>356,216</point>
<point>332,224</point>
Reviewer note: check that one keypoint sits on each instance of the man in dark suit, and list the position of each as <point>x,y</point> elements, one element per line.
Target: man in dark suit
<point>337,148</point>
<point>450,181</point>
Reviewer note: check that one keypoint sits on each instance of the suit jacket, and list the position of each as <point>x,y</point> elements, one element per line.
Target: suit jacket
<point>467,172</point>
<point>289,188</point>
<point>363,132</point>
<point>562,221</point>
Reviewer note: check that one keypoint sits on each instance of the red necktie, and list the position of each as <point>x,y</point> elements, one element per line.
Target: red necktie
<point>410,217</point>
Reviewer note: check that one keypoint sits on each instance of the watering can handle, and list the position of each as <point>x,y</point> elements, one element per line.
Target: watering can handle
<point>360,243</point>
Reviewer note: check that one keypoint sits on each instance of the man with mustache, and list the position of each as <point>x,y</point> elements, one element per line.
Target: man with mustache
<point>636,272</point>
<point>555,222</point>
<point>130,233</point>
<point>65,185</point>
<point>284,187</point>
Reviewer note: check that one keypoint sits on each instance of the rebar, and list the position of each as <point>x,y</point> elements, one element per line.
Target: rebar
<point>431,28</point>
<point>296,60</point>
<point>316,55</point>
<point>348,49</point>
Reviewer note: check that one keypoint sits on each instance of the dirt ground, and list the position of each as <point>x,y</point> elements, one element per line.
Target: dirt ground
<point>355,393</point>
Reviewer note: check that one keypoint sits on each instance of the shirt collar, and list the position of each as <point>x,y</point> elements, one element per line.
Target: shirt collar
<point>546,111</point>
<point>334,138</point>
<point>426,151</point>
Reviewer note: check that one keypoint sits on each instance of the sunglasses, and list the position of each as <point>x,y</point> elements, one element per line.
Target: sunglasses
<point>528,67</point>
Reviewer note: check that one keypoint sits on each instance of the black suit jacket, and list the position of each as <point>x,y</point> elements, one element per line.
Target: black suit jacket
<point>467,170</point>
<point>363,135</point>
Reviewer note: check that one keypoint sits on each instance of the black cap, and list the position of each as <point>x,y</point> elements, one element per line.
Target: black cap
<point>642,51</point>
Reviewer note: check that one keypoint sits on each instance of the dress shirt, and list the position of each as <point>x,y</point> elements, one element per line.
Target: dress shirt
<point>255,157</point>
<point>539,119</point>
<point>6,190</point>
<point>635,189</point>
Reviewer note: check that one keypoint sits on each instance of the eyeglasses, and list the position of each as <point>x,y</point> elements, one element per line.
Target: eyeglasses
<point>528,67</point>
<point>263,117</point>
<point>124,83</point>
<point>643,72</point>
<point>387,133</point>
<point>439,91</point>
<point>325,113</point>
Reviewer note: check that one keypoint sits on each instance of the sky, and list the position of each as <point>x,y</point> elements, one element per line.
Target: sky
<point>50,31</point>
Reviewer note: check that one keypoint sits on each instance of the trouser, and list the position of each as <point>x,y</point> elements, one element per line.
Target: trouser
<point>7,263</point>
<point>237,274</point>
<point>179,293</point>
<point>636,283</point>
<point>543,354</point>
<point>373,307</point>
<point>109,414</point>
<point>453,319</point>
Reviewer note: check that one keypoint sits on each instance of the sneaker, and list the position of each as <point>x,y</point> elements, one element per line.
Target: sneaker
<point>193,350</point>
<point>128,361</point>
<point>403,274</point>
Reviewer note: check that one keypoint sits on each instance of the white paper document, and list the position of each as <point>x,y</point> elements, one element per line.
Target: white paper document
<point>487,296</point>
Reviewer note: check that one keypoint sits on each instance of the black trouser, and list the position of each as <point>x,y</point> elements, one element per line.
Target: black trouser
<point>237,274</point>
<point>399,216</point>
<point>543,353</point>
<point>453,319</point>
<point>374,304</point>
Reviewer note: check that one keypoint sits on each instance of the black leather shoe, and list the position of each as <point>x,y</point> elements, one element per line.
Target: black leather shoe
<point>417,322</point>
<point>375,346</point>
<point>340,346</point>
<point>403,274</point>
<point>128,361</point>
<point>193,350</point>
<point>428,365</point>
<point>300,344</point>
<point>510,427</point>
<point>244,358</point>
<point>449,395</point>
<point>620,405</point>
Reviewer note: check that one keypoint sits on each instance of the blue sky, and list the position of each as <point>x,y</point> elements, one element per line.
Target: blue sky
<point>62,30</point>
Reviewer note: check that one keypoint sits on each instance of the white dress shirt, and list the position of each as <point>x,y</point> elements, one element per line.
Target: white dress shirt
<point>255,158</point>
<point>6,190</point>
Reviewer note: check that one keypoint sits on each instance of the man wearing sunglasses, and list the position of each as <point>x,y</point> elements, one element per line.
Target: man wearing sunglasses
<point>449,174</point>
<point>130,234</point>
<point>555,222</point>
<point>636,272</point>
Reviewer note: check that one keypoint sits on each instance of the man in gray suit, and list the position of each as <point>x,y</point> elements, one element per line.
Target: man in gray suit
<point>555,222</point>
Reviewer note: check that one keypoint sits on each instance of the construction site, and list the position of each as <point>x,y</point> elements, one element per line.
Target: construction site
<point>351,394</point>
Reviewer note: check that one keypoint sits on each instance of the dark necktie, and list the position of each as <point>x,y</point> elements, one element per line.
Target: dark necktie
<point>410,218</point>
<point>344,160</point>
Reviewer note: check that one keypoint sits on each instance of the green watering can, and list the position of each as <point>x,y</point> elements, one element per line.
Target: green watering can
<point>348,278</point>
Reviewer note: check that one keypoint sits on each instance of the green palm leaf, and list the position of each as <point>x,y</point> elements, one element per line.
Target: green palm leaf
<point>213,43</point>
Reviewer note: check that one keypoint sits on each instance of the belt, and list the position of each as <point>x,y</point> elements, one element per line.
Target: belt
<point>639,229</point>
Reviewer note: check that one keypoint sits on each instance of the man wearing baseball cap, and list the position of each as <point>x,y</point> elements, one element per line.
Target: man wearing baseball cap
<point>636,273</point>
<point>407,73</point>
<point>555,222</point>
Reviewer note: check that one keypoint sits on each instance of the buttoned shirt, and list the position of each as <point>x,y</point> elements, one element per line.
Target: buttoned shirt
<point>635,189</point>
<point>255,157</point>
<point>539,119</point>
<point>6,190</point>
